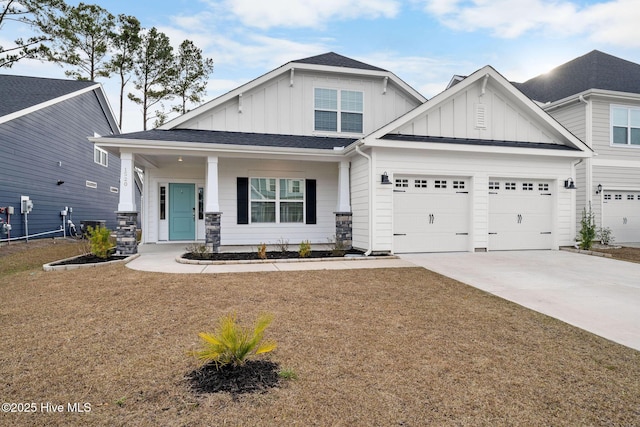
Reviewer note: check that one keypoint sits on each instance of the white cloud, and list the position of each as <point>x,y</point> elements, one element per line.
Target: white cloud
<point>306,13</point>
<point>613,22</point>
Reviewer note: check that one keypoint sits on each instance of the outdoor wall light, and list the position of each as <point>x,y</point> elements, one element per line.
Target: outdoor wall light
<point>569,184</point>
<point>599,190</point>
<point>60,182</point>
<point>385,179</point>
<point>179,158</point>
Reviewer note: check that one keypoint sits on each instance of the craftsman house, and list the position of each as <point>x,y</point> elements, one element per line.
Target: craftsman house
<point>328,146</point>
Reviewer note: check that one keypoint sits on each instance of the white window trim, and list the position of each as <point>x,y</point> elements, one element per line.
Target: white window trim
<point>103,155</point>
<point>338,111</point>
<point>611,143</point>
<point>277,200</point>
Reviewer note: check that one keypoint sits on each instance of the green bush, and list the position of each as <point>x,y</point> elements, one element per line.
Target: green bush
<point>100,241</point>
<point>232,344</point>
<point>587,229</point>
<point>305,249</point>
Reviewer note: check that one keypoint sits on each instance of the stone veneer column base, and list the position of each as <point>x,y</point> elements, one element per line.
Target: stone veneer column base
<point>126,232</point>
<point>212,230</point>
<point>344,233</point>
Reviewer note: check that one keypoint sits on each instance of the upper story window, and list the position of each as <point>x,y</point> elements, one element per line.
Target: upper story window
<point>625,125</point>
<point>338,110</point>
<point>100,156</point>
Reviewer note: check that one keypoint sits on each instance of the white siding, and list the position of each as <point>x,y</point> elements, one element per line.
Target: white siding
<point>504,118</point>
<point>478,167</point>
<point>359,180</point>
<point>277,107</point>
<point>573,118</point>
<point>602,133</point>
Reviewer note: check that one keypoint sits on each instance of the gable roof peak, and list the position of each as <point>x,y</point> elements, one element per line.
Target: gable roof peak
<point>333,59</point>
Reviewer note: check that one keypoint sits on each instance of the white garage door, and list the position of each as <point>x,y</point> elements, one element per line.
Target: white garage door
<point>621,213</point>
<point>520,214</point>
<point>430,214</point>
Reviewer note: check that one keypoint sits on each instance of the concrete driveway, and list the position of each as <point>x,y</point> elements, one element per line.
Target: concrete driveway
<point>600,295</point>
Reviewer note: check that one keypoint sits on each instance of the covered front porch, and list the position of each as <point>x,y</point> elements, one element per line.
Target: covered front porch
<point>229,202</point>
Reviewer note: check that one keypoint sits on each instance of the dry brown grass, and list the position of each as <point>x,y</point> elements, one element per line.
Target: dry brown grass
<point>378,347</point>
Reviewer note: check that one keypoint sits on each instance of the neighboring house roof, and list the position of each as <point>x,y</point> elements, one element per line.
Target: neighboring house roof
<point>595,70</point>
<point>331,62</point>
<point>22,95</point>
<point>21,92</point>
<point>236,138</point>
<point>333,59</point>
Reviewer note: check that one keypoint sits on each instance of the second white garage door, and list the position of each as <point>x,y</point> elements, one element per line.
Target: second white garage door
<point>520,214</point>
<point>431,214</point>
<point>621,213</point>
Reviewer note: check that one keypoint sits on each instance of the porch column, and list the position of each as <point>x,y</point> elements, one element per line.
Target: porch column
<point>343,209</point>
<point>127,184</point>
<point>212,206</point>
<point>127,215</point>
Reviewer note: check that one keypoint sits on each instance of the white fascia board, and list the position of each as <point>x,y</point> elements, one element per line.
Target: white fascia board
<point>172,124</point>
<point>174,146</point>
<point>468,148</point>
<point>473,79</point>
<point>601,93</point>
<point>48,103</point>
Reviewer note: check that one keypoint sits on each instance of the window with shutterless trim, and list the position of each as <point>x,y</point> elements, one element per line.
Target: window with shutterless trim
<point>338,110</point>
<point>625,125</point>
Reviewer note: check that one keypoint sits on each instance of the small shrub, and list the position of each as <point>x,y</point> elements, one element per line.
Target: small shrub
<point>100,241</point>
<point>338,248</point>
<point>305,249</point>
<point>262,251</point>
<point>606,236</point>
<point>288,374</point>
<point>588,229</point>
<point>197,249</point>
<point>283,244</point>
<point>232,344</point>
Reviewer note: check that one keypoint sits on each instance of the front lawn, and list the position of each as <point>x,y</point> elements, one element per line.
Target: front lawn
<point>403,347</point>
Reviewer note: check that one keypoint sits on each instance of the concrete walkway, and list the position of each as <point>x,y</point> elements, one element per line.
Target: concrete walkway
<point>600,295</point>
<point>162,259</point>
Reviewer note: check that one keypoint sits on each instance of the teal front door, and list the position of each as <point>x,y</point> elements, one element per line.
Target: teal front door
<point>182,211</point>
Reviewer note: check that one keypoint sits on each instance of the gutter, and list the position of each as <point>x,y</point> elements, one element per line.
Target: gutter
<point>371,181</point>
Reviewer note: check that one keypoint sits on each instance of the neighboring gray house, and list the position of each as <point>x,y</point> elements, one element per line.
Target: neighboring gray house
<point>597,97</point>
<point>45,155</point>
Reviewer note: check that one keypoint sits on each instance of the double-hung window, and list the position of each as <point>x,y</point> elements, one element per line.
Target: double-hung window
<point>100,156</point>
<point>625,125</point>
<point>277,200</point>
<point>338,110</point>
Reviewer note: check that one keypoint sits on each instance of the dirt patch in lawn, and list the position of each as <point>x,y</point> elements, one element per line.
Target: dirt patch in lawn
<point>369,347</point>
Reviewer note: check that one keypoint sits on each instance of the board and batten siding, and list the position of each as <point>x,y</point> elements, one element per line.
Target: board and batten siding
<point>478,168</point>
<point>278,107</point>
<point>41,148</point>
<point>456,117</point>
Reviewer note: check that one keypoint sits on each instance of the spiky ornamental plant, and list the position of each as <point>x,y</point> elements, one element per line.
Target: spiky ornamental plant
<point>232,344</point>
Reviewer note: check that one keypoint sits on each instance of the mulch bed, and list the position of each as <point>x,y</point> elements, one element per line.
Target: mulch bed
<point>239,256</point>
<point>89,259</point>
<point>255,376</point>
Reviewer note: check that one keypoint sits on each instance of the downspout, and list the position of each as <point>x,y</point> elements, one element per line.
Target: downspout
<point>371,181</point>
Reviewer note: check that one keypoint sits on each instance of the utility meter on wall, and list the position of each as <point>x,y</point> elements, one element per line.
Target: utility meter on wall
<point>26,205</point>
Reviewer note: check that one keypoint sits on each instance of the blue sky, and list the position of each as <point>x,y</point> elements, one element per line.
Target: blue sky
<point>424,42</point>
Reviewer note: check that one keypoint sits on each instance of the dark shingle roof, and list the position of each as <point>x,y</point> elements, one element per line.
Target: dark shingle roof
<point>20,92</point>
<point>470,141</point>
<point>595,70</point>
<point>238,138</point>
<point>334,60</point>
